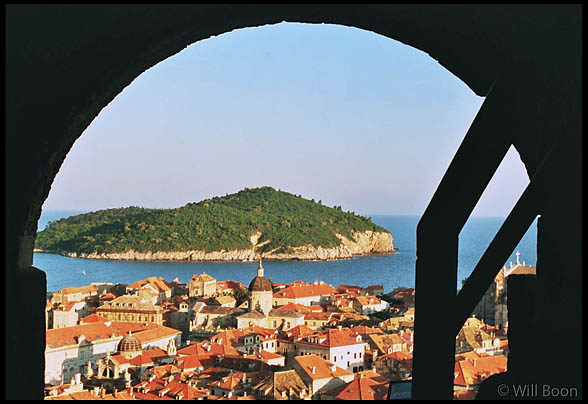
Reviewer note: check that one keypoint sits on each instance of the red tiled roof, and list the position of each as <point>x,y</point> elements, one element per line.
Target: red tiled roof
<point>360,388</point>
<point>470,372</point>
<point>59,337</point>
<point>155,334</point>
<point>264,355</point>
<point>157,283</point>
<point>298,283</point>
<point>349,288</point>
<point>318,316</point>
<point>334,338</point>
<point>346,295</point>
<point>223,285</point>
<point>120,359</point>
<point>147,356</point>
<point>365,330</point>
<point>322,368</point>
<point>297,292</point>
<point>295,307</point>
<point>93,318</point>
<point>299,331</point>
<point>231,382</point>
<point>194,362</point>
<point>165,370</point>
<point>158,389</point>
<point>208,348</point>
<point>400,356</point>
<point>368,300</point>
<point>103,330</point>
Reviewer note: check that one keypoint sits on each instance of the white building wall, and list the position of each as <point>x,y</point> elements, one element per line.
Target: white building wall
<point>62,319</point>
<point>60,361</point>
<point>305,301</point>
<point>348,357</point>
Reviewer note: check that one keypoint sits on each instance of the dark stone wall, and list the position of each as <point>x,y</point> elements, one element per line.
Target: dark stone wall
<point>64,63</point>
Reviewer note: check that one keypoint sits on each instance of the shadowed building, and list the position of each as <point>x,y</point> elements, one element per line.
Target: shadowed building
<point>65,63</point>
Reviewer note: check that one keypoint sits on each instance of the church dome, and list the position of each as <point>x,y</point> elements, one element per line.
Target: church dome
<point>260,284</point>
<point>129,344</point>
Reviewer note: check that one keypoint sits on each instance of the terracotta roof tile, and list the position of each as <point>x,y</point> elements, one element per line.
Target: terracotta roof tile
<point>194,362</point>
<point>297,292</point>
<point>334,338</point>
<point>368,300</point>
<point>470,372</point>
<point>322,368</point>
<point>295,307</point>
<point>93,318</point>
<point>155,334</point>
<point>360,388</point>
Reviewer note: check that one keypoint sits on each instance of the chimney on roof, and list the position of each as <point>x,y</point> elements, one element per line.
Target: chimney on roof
<point>115,393</point>
<point>96,391</point>
<point>339,327</point>
<point>518,254</point>
<point>333,368</point>
<point>78,378</point>
<point>313,370</point>
<point>102,391</point>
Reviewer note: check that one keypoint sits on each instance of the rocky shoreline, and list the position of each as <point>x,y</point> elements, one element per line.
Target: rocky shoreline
<point>363,243</point>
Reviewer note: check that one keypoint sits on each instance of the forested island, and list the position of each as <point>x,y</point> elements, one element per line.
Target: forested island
<point>242,226</point>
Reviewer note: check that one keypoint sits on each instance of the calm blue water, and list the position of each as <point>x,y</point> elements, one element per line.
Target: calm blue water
<point>391,271</point>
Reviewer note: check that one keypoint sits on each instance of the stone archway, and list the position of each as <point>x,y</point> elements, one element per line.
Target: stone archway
<point>66,63</point>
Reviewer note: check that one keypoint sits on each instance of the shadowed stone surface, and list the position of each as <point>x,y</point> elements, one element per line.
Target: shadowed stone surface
<point>65,63</point>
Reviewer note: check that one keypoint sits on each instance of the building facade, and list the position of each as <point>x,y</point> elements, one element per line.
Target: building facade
<point>202,285</point>
<point>132,309</point>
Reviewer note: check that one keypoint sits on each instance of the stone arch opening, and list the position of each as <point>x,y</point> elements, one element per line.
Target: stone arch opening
<point>65,63</point>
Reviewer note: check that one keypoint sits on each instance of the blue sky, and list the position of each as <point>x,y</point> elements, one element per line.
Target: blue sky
<point>329,112</point>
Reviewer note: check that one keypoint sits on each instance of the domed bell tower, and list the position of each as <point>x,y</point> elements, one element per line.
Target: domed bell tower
<point>260,292</point>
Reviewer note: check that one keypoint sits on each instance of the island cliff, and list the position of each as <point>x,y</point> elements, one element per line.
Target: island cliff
<point>239,227</point>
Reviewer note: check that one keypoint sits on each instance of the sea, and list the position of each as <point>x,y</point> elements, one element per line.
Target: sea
<point>391,271</point>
